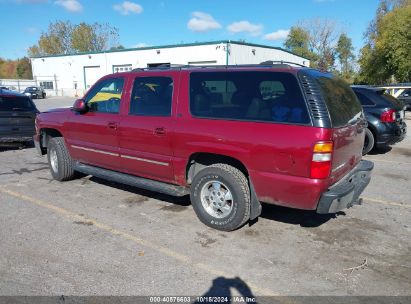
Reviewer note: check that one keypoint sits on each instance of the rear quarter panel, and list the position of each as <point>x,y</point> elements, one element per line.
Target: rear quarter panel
<point>277,156</point>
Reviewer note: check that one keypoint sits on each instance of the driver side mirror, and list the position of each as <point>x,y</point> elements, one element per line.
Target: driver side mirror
<point>80,106</point>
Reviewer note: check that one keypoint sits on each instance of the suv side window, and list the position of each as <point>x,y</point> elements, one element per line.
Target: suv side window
<point>152,96</point>
<point>364,100</point>
<point>249,96</point>
<point>105,97</point>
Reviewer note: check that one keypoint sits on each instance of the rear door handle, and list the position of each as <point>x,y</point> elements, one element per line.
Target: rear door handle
<point>160,131</point>
<point>112,125</point>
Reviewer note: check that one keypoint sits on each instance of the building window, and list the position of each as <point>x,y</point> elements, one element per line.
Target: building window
<point>122,68</point>
<point>47,85</point>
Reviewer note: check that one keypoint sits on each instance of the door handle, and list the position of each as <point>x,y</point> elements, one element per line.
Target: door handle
<point>160,131</point>
<point>112,125</point>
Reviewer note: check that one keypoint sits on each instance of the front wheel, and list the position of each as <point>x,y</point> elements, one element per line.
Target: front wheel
<point>220,196</point>
<point>368,141</point>
<point>59,159</point>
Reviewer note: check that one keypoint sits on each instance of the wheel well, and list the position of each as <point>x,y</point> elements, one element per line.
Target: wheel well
<point>373,131</point>
<point>199,161</point>
<point>46,134</point>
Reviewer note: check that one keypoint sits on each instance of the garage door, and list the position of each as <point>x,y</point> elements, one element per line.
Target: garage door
<point>91,75</point>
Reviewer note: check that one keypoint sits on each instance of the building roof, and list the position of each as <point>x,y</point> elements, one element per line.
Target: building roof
<point>174,46</point>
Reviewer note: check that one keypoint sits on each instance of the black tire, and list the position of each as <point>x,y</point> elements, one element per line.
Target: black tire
<point>237,184</point>
<point>44,95</point>
<point>64,170</point>
<point>369,141</point>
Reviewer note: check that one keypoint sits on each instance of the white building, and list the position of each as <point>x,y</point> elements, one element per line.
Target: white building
<point>72,75</point>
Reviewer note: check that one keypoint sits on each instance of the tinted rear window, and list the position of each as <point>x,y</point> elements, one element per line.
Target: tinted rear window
<point>391,100</point>
<point>15,103</point>
<point>340,99</point>
<point>365,101</point>
<point>252,96</point>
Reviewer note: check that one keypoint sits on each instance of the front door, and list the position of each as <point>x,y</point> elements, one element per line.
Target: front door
<point>92,136</point>
<point>146,129</point>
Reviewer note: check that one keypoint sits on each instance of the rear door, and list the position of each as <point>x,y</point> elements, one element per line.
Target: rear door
<point>348,124</point>
<point>17,115</point>
<point>146,129</point>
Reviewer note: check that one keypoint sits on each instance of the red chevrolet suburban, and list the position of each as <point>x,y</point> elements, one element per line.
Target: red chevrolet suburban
<point>230,136</point>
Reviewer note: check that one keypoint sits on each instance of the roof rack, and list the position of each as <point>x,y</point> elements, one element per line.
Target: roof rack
<point>265,64</point>
<point>282,63</point>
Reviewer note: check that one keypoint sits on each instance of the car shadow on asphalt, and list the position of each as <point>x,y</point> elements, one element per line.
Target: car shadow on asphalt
<point>182,201</point>
<point>378,151</point>
<point>303,218</point>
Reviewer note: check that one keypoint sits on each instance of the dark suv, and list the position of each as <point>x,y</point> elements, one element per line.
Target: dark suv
<point>17,115</point>
<point>385,117</point>
<point>231,137</point>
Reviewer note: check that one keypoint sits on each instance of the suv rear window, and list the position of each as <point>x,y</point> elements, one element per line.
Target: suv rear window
<point>364,100</point>
<point>340,99</point>
<point>15,103</point>
<point>250,96</point>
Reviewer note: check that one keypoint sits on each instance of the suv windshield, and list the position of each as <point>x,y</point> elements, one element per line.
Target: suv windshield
<point>340,99</point>
<point>15,103</point>
<point>30,89</point>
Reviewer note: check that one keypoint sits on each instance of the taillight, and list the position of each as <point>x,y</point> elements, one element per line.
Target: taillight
<point>388,116</point>
<point>321,161</point>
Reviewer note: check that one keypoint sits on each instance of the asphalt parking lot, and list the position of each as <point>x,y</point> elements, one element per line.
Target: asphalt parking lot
<point>92,237</point>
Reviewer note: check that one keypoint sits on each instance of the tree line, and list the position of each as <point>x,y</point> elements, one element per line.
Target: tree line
<point>19,68</point>
<point>385,57</point>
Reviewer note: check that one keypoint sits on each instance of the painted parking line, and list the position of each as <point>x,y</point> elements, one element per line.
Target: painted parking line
<point>135,239</point>
<point>374,200</point>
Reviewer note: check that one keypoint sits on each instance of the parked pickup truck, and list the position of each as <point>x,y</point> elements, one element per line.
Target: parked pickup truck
<point>230,137</point>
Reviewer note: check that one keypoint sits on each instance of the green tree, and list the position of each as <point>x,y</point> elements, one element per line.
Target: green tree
<point>298,43</point>
<point>23,69</point>
<point>344,51</point>
<point>55,41</point>
<point>387,54</point>
<point>62,37</point>
<point>94,37</point>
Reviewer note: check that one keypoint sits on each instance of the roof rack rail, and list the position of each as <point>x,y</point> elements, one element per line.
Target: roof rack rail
<point>281,62</point>
<point>163,67</point>
<point>265,64</point>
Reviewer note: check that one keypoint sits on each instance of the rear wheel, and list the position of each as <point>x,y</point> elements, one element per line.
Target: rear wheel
<point>220,196</point>
<point>369,142</point>
<point>59,159</point>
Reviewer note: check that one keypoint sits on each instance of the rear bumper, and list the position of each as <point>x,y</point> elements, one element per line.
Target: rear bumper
<point>391,134</point>
<point>346,192</point>
<point>15,139</point>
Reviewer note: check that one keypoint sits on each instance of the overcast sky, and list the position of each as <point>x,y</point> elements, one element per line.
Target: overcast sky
<point>160,22</point>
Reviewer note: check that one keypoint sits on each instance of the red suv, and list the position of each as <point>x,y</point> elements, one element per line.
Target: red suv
<point>231,137</point>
